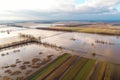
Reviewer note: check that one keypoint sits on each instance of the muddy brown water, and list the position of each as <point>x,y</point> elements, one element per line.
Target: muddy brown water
<point>23,54</point>
<point>84,44</point>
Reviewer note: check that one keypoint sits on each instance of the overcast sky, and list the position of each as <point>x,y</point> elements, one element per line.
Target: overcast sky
<point>59,9</point>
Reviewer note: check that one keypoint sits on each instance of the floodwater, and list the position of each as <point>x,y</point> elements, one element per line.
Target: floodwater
<point>105,47</point>
<point>5,29</point>
<point>38,25</point>
<point>83,44</point>
<point>23,54</point>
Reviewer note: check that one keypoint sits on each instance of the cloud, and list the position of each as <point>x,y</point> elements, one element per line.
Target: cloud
<point>98,6</point>
<point>34,9</point>
<point>56,9</point>
<point>41,5</point>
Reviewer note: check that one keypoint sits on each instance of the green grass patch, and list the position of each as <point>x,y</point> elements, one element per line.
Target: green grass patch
<point>68,75</point>
<point>99,71</point>
<point>46,70</point>
<point>54,75</point>
<point>108,72</point>
<point>85,71</point>
<point>106,31</point>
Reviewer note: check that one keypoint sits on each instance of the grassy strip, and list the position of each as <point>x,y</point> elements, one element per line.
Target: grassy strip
<point>85,71</point>
<point>108,72</point>
<point>99,31</point>
<point>115,72</point>
<point>99,71</point>
<point>46,70</point>
<point>61,69</point>
<point>68,75</point>
<point>91,30</point>
<point>6,78</point>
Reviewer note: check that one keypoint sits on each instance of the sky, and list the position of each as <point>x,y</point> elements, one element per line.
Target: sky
<point>59,9</point>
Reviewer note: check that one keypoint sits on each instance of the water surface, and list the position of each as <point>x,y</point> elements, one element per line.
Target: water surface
<point>86,44</point>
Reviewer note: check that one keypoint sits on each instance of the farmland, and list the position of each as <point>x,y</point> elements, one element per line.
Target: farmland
<point>72,67</point>
<point>94,29</point>
<point>37,54</point>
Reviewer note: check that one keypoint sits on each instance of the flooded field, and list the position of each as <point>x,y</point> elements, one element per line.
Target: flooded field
<point>39,33</point>
<point>9,31</point>
<point>34,32</point>
<point>37,25</point>
<point>18,62</point>
<point>22,61</point>
<point>9,40</point>
<point>105,47</point>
